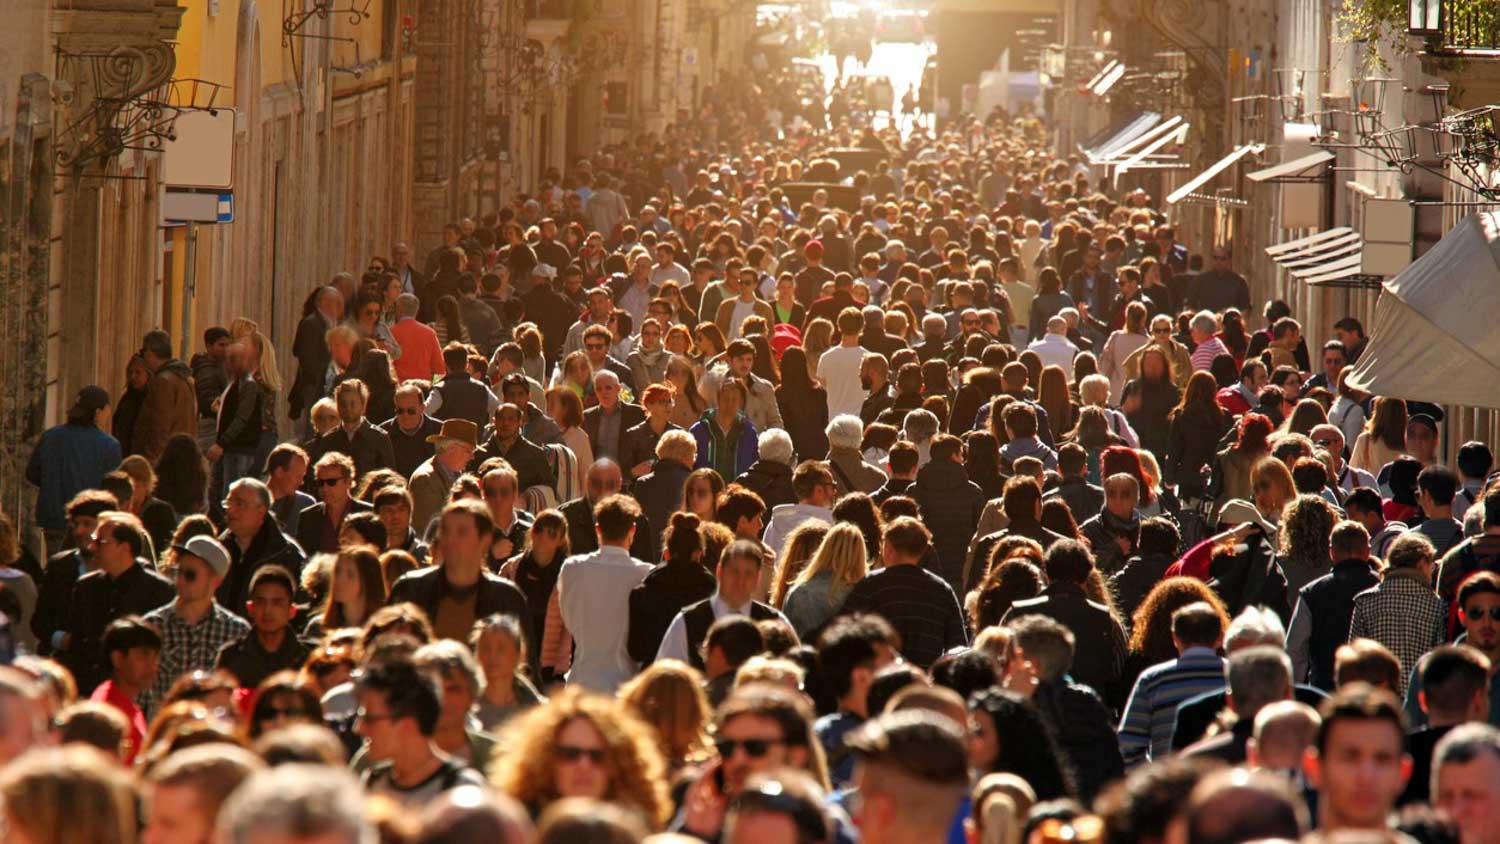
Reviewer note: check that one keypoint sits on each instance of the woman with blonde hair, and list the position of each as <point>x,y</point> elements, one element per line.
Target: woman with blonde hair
<point>67,795</point>
<point>1093,391</point>
<point>576,374</point>
<point>1271,487</point>
<point>582,745</point>
<point>688,404</point>
<point>801,544</point>
<point>668,695</point>
<point>820,589</point>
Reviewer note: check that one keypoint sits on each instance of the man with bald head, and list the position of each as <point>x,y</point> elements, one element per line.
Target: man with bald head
<point>1235,805</point>
<point>602,480</point>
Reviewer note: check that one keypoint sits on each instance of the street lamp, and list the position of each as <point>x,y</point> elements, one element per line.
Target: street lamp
<point>1424,17</point>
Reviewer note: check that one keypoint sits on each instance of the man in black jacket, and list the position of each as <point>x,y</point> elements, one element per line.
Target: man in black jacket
<point>527,458</point>
<point>1100,655</point>
<point>366,445</point>
<point>460,591</point>
<point>1083,724</point>
<point>602,480</point>
<point>738,574</point>
<point>409,429</point>
<point>310,348</point>
<point>122,585</point>
<point>55,591</point>
<point>254,540</point>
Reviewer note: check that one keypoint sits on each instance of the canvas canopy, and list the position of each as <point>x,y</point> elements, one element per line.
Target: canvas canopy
<point>1434,336</point>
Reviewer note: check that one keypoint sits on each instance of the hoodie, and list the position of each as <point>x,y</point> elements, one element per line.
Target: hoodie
<point>785,518</point>
<point>170,407</point>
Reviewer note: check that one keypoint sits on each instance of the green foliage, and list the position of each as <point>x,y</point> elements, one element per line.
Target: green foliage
<point>1467,24</point>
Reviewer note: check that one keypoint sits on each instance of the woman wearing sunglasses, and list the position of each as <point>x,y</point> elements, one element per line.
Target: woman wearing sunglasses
<point>582,745</point>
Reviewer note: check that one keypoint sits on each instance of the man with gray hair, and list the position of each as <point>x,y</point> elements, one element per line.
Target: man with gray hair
<point>920,427</point>
<point>462,682</point>
<point>1466,781</point>
<point>1253,626</point>
<point>310,804</point>
<point>1258,676</point>
<point>770,476</point>
<point>421,353</point>
<point>1083,725</point>
<point>851,471</point>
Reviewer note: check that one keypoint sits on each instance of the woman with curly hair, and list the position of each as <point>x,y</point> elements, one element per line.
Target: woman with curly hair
<point>668,695</point>
<point>841,561</point>
<point>1015,579</point>
<point>1151,629</point>
<point>1011,736</point>
<point>1306,524</point>
<point>582,745</point>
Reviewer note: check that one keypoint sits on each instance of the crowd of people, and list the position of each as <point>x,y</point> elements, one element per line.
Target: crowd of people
<point>658,504</point>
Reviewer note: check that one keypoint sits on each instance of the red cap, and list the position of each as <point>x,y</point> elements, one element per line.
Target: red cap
<point>813,249</point>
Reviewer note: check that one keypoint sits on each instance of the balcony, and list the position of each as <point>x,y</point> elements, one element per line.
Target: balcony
<point>1467,28</point>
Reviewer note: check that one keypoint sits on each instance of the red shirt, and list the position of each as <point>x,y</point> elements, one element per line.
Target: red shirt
<point>108,693</point>
<point>421,357</point>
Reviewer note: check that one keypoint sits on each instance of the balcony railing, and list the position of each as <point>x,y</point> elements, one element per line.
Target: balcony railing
<point>1471,27</point>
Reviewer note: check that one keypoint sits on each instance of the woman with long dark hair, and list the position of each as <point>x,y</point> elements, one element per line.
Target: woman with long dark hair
<point>1011,736</point>
<point>1194,428</point>
<point>1154,397</point>
<point>356,590</point>
<point>803,405</point>
<point>1050,299</point>
<point>182,475</point>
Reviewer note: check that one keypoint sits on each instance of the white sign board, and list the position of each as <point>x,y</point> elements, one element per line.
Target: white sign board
<point>202,154</point>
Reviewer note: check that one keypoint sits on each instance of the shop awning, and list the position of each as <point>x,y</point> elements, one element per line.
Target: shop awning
<point>1146,143</point>
<point>1323,257</point>
<point>1104,143</point>
<point>1296,170</point>
<point>1213,170</point>
<point>1434,335</point>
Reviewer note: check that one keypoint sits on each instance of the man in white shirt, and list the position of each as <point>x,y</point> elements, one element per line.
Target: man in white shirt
<point>738,574</point>
<point>812,481</point>
<point>594,597</point>
<point>667,268</point>
<point>838,368</point>
<point>1054,348</point>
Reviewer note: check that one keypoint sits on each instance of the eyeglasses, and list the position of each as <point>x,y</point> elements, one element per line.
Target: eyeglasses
<point>754,748</point>
<point>568,753</point>
<point>1477,613</point>
<point>326,482</point>
<point>1161,331</point>
<point>408,411</point>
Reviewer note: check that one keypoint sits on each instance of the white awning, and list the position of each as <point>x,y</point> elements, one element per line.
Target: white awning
<point>1295,168</point>
<point>1146,142</point>
<point>1343,247</point>
<point>1337,271</point>
<point>1140,157</point>
<point>1104,144</point>
<point>1215,169</point>
<point>1283,251</point>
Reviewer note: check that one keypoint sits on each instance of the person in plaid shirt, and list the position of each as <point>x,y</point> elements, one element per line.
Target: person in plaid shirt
<point>1403,613</point>
<point>194,626</point>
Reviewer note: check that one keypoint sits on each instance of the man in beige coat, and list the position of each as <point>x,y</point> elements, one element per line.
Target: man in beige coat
<point>453,448</point>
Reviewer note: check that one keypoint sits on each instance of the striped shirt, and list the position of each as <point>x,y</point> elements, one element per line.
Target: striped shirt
<point>1203,356</point>
<point>919,604</point>
<point>1150,714</point>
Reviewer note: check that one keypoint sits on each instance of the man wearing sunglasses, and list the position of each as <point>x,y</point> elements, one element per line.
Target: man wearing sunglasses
<point>194,626</point>
<point>1479,612</point>
<point>409,430</point>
